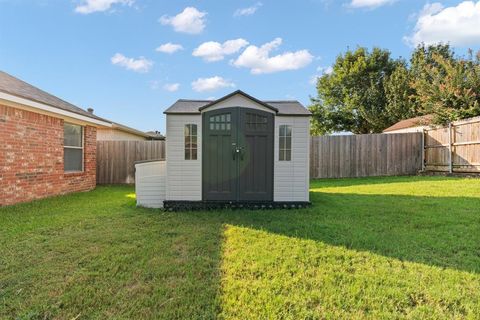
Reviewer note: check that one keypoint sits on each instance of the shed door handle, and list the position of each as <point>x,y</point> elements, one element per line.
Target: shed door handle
<point>240,150</point>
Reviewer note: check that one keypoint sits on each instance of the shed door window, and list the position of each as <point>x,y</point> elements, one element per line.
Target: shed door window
<point>285,143</point>
<point>72,147</point>
<point>256,122</point>
<point>220,122</point>
<point>190,142</point>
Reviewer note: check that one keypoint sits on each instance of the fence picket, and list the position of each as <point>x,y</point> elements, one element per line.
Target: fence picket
<point>365,155</point>
<point>116,159</point>
<point>454,148</point>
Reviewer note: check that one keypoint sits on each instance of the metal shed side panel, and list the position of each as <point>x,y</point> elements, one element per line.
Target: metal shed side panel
<point>150,184</point>
<point>291,178</point>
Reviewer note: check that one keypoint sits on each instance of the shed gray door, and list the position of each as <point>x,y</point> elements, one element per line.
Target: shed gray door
<point>238,155</point>
<point>256,161</point>
<point>220,167</point>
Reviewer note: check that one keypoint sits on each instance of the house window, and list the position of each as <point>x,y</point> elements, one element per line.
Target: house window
<point>285,143</point>
<point>190,142</point>
<point>72,147</point>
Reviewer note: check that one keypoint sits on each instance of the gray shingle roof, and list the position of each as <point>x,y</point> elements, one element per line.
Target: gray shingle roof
<point>289,107</point>
<point>11,85</point>
<point>284,107</point>
<point>187,106</point>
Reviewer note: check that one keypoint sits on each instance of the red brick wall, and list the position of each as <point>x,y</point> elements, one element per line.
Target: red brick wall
<point>31,157</point>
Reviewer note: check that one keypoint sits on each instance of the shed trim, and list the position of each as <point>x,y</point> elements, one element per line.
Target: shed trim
<point>266,105</point>
<point>196,106</point>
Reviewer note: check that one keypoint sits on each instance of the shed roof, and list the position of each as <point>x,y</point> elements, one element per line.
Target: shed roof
<point>282,107</point>
<point>425,120</point>
<point>14,86</point>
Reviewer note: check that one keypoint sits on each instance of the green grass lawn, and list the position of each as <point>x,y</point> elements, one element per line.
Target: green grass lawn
<point>377,248</point>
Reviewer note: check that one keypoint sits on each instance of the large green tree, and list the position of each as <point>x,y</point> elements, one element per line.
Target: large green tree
<point>447,87</point>
<point>424,56</point>
<point>352,97</point>
<point>400,95</point>
<point>369,91</point>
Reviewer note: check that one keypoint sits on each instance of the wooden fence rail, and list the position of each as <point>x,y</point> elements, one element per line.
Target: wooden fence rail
<point>454,148</point>
<point>116,159</point>
<point>365,155</point>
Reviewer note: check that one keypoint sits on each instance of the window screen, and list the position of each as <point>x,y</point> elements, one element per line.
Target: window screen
<point>190,142</point>
<point>72,147</point>
<point>285,143</point>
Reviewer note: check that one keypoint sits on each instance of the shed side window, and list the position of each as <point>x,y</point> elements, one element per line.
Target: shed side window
<point>72,148</point>
<point>190,142</point>
<point>285,143</point>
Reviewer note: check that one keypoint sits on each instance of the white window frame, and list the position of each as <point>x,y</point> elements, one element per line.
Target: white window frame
<point>75,147</point>
<point>284,149</point>
<point>191,148</point>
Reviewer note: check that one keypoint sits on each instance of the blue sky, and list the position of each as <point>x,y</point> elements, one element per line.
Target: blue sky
<point>108,54</point>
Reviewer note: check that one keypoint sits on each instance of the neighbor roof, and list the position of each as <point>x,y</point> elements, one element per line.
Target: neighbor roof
<point>153,135</point>
<point>281,107</point>
<point>121,127</point>
<point>411,123</point>
<point>14,86</point>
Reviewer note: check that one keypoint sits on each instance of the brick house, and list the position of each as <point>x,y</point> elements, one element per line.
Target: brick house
<point>47,145</point>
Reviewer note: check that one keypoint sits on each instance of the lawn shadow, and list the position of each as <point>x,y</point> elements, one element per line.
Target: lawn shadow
<point>439,232</point>
<point>436,231</point>
<point>169,264</point>
<point>97,255</point>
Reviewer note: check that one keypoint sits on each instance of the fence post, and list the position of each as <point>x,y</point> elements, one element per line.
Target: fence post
<point>423,150</point>
<point>450,158</point>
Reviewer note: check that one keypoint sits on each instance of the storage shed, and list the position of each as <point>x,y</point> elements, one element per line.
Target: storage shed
<point>236,150</point>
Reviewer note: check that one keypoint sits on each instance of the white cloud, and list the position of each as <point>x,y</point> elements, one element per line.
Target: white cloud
<point>154,84</point>
<point>190,20</point>
<point>327,70</point>
<point>211,84</point>
<point>214,51</point>
<point>171,87</point>
<point>90,6</point>
<point>313,79</point>
<point>369,4</point>
<point>169,48</point>
<point>141,64</point>
<point>431,8</point>
<point>322,71</point>
<point>247,11</point>
<point>258,59</point>
<point>459,26</point>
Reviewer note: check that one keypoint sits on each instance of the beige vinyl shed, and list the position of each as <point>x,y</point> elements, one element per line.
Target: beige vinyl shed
<point>236,150</point>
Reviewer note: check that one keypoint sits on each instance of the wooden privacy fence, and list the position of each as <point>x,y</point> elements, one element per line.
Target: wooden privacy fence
<point>116,159</point>
<point>455,148</point>
<point>365,155</point>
